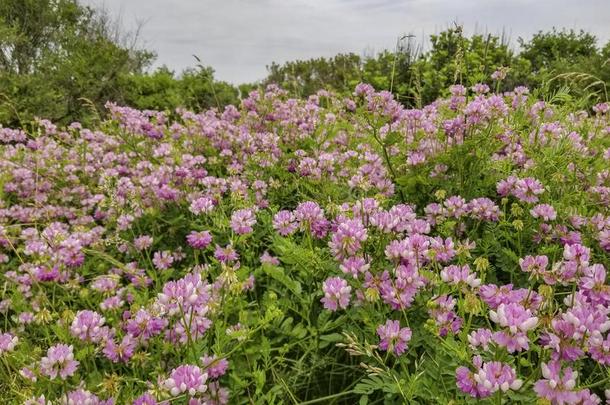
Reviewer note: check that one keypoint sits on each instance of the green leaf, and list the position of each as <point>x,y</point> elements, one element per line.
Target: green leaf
<point>278,274</point>
<point>330,338</point>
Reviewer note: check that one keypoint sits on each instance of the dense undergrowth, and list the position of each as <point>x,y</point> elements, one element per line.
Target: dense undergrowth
<point>326,250</point>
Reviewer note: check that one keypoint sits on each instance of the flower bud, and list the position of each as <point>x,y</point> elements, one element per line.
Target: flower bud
<point>516,210</point>
<point>518,224</point>
<point>481,264</point>
<point>472,304</point>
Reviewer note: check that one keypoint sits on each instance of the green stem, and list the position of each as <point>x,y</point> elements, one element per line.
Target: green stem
<point>326,398</point>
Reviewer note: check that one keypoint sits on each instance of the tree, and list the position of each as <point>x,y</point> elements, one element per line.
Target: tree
<point>59,60</point>
<point>305,77</point>
<point>545,49</point>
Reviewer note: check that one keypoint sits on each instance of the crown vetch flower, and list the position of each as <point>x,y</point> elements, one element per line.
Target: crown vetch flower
<point>203,205</point>
<point>145,399</point>
<point>284,223</point>
<point>536,265</point>
<point>186,379</point>
<point>242,221</point>
<point>487,378</point>
<point>82,396</point>
<point>89,326</point>
<point>122,351</point>
<point>199,240</point>
<point>355,266</point>
<point>59,361</point>
<point>455,275</point>
<point>528,189</point>
<point>7,343</point>
<point>557,385</point>
<point>544,211</point>
<point>496,376</point>
<point>518,321</point>
<point>393,337</point>
<point>347,239</point>
<point>480,338</point>
<point>215,366</point>
<point>337,293</point>
<point>163,260</point>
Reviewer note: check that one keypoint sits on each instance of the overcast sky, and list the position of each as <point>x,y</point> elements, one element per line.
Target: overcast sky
<point>239,38</point>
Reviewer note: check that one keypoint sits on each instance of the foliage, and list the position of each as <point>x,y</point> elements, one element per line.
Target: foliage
<point>194,89</point>
<point>64,61</point>
<point>305,77</point>
<point>339,249</point>
<point>59,60</point>
<point>549,60</point>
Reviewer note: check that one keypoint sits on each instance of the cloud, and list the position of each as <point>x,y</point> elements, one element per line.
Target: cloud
<point>239,38</point>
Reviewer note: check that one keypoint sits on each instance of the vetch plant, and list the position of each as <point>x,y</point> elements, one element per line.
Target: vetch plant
<point>338,249</point>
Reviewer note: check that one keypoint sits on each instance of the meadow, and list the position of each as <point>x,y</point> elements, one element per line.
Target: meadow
<point>336,249</point>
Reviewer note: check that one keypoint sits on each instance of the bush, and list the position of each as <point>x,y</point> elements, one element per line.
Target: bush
<point>332,249</point>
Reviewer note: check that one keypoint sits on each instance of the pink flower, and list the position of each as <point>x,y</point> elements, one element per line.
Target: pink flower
<point>456,206</point>
<point>81,396</point>
<point>88,326</point>
<point>28,374</point>
<point>59,361</point>
<point>242,221</point>
<point>480,337</point>
<point>199,240</point>
<point>496,376</point>
<point>225,254</point>
<point>186,379</point>
<point>144,325</point>
<point>528,189</point>
<point>284,223</point>
<point>145,399</point>
<point>499,74</point>
<point>215,367</point>
<point>487,378</point>
<point>484,209</point>
<point>518,321</point>
<point>400,292</point>
<point>600,352</point>
<point>507,186</point>
<point>557,385</point>
<point>536,265</point>
<point>393,337</point>
<point>268,259</point>
<point>190,293</point>
<point>7,343</point>
<point>455,275</point>
<point>122,351</point>
<point>347,239</point>
<point>593,284</point>
<point>604,239</point>
<point>466,383</point>
<point>203,205</point>
<point>337,293</point>
<point>163,260</point>
<point>354,265</point>
<point>311,218</point>
<point>544,211</point>
<point>445,318</point>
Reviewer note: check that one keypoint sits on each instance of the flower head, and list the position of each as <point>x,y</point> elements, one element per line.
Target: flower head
<point>393,337</point>
<point>186,379</point>
<point>7,343</point>
<point>59,361</point>
<point>336,293</point>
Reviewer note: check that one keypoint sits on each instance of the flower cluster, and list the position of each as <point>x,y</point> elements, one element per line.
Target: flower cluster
<point>460,250</point>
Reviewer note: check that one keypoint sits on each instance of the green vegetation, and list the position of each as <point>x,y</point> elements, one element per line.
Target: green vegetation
<point>63,61</point>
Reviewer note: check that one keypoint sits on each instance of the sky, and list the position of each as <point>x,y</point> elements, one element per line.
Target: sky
<point>239,38</point>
